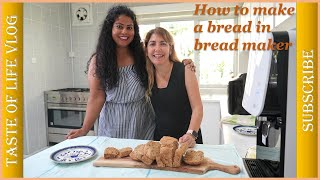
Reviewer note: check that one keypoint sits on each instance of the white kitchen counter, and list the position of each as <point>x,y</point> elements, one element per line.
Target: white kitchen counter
<point>241,142</point>
<point>41,166</point>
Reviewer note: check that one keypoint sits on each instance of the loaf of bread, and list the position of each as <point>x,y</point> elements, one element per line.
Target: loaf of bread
<point>168,147</point>
<point>152,149</point>
<point>167,141</point>
<point>167,153</point>
<point>159,162</point>
<point>150,152</point>
<point>146,160</point>
<point>137,153</point>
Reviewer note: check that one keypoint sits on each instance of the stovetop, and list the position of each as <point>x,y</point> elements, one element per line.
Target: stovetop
<point>72,90</point>
<point>67,96</point>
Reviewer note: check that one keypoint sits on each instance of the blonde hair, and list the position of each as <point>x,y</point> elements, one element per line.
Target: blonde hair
<point>149,66</point>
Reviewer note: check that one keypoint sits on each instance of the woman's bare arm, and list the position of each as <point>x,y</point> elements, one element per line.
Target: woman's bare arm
<point>95,103</point>
<point>196,106</point>
<point>194,98</point>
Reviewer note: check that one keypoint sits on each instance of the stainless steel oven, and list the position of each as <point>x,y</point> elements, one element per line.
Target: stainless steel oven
<point>65,110</point>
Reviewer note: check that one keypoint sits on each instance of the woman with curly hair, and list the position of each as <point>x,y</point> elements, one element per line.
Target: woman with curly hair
<point>118,81</point>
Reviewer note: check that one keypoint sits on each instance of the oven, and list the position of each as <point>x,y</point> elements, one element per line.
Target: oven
<point>65,110</point>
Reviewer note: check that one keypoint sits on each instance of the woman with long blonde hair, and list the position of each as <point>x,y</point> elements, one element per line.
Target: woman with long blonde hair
<point>173,89</point>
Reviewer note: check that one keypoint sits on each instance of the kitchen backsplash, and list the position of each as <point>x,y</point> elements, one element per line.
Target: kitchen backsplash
<point>48,38</point>
<point>46,65</point>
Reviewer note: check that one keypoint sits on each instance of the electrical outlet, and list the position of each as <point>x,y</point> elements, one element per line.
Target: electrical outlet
<point>33,60</point>
<point>71,54</point>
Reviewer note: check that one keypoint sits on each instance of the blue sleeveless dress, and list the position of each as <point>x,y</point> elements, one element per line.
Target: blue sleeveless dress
<point>126,113</point>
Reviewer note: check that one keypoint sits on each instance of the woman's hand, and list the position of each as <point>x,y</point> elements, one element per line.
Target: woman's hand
<point>189,63</point>
<point>189,139</point>
<point>76,133</point>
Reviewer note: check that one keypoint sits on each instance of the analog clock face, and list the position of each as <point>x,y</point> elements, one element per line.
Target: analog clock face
<point>82,14</point>
<point>73,154</point>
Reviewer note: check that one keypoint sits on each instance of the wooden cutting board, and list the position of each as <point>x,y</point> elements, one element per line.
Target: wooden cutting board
<point>200,169</point>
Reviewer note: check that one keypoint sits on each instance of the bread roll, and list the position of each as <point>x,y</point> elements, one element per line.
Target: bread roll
<point>111,152</point>
<point>193,157</point>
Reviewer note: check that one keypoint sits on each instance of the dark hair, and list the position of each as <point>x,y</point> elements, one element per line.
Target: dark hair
<point>106,57</point>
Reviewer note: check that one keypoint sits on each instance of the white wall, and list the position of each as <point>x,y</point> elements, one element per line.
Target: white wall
<point>45,37</point>
<point>211,121</point>
<point>84,40</point>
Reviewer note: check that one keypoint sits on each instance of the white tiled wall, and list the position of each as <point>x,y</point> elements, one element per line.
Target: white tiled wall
<point>84,40</point>
<point>46,40</point>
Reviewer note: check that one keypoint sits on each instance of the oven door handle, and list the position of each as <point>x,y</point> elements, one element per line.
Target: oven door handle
<point>67,108</point>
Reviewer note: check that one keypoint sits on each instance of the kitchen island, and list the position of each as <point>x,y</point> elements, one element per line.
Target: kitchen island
<point>41,166</point>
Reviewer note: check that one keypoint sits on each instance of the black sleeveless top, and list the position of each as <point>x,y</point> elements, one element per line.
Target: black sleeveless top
<point>172,107</point>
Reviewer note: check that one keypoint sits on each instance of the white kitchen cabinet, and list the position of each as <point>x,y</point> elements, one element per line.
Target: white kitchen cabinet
<point>210,125</point>
<point>241,142</point>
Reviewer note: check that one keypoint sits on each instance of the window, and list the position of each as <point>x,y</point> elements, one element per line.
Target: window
<point>182,32</point>
<point>144,29</point>
<point>214,68</point>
